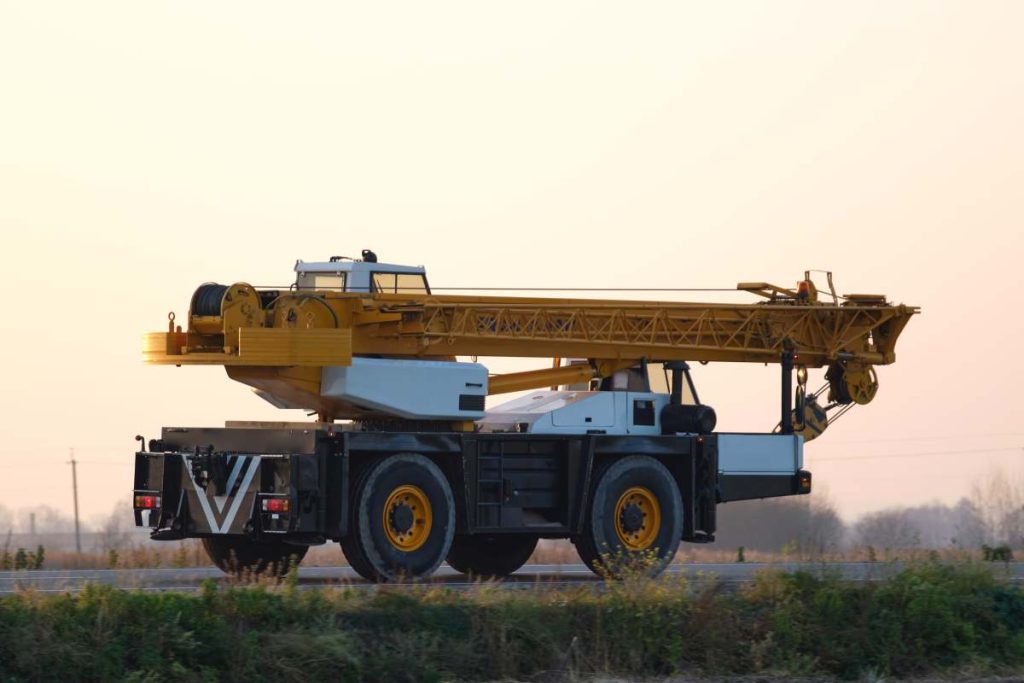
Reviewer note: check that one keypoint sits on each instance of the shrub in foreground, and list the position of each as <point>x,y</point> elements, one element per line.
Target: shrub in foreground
<point>927,619</point>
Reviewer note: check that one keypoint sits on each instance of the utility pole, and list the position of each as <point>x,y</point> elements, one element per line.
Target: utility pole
<point>74,487</point>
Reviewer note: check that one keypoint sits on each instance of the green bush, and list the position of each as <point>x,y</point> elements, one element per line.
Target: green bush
<point>928,619</point>
<point>1000,553</point>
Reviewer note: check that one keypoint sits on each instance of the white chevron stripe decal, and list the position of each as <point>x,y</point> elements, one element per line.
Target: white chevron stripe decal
<point>251,465</point>
<point>232,478</point>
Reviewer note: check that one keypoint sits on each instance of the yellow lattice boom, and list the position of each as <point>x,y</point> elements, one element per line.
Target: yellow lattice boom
<point>277,341</point>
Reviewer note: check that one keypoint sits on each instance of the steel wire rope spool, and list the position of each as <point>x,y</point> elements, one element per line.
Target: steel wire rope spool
<point>321,300</point>
<point>291,311</point>
<point>207,299</point>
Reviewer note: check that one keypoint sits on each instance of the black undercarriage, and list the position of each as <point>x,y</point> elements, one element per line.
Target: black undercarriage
<point>501,483</point>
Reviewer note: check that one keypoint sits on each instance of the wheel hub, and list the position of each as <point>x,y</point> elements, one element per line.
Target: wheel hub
<point>631,518</point>
<point>401,518</point>
<point>408,518</point>
<point>637,518</point>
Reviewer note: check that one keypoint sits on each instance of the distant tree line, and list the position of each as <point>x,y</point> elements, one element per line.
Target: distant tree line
<point>992,516</point>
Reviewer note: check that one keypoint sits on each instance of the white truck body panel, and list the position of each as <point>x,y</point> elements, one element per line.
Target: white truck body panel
<point>575,412</point>
<point>760,453</point>
<point>412,389</point>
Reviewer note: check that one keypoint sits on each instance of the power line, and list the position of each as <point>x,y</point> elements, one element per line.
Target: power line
<point>37,465</point>
<point>1019,449</point>
<point>930,438</point>
<point>542,289</point>
<point>584,289</point>
<point>127,463</point>
<point>51,449</point>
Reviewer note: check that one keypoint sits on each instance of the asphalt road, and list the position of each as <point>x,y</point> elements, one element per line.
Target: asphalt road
<point>529,577</point>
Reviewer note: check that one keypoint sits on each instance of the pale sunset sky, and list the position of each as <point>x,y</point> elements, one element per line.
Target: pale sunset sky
<point>147,147</point>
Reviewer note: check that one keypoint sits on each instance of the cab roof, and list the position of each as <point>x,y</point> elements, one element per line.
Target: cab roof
<point>346,265</point>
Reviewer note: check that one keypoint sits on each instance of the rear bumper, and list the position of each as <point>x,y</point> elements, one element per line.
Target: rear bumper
<point>732,487</point>
<point>227,493</point>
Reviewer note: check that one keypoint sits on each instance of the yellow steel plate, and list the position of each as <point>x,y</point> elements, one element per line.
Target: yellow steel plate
<point>258,346</point>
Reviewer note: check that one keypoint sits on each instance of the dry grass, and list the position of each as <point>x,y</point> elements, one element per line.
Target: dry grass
<point>150,556</point>
<point>190,553</point>
<point>564,552</point>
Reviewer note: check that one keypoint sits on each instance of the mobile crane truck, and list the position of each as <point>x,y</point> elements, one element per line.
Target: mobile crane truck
<point>406,468</point>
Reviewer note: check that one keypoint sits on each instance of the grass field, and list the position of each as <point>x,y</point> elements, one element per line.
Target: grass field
<point>930,619</point>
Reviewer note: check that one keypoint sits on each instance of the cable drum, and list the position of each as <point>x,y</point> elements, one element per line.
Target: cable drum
<point>207,299</point>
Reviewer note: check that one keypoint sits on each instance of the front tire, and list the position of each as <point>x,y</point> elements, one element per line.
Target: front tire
<point>403,519</point>
<point>240,556</point>
<point>491,556</point>
<point>635,520</point>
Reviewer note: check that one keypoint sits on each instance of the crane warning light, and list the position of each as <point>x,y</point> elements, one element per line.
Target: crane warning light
<point>147,502</point>
<point>276,505</point>
<point>806,290</point>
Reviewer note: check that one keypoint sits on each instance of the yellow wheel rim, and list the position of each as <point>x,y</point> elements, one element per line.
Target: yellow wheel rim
<point>407,518</point>
<point>637,518</point>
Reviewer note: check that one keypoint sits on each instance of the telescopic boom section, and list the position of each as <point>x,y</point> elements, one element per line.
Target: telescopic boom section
<point>262,329</point>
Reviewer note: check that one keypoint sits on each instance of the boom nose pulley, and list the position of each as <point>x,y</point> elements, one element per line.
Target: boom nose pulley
<point>847,383</point>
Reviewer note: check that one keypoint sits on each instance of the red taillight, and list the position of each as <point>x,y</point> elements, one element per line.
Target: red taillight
<point>147,502</point>
<point>276,505</point>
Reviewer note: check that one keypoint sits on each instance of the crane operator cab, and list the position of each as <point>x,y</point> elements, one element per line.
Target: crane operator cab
<point>344,274</point>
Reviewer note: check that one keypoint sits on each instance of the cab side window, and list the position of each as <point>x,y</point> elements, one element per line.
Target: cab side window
<point>384,283</point>
<point>332,281</point>
<point>411,283</point>
<point>399,283</point>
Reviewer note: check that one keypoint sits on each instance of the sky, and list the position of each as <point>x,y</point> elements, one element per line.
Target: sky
<point>146,148</point>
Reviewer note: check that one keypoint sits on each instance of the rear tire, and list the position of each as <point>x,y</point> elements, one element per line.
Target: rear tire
<point>635,519</point>
<point>492,556</point>
<point>349,547</point>
<point>240,556</point>
<point>403,519</point>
